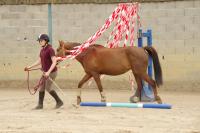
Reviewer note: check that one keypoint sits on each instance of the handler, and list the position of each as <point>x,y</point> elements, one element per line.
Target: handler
<point>47,60</point>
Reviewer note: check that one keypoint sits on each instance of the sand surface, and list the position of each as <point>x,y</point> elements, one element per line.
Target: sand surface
<point>16,114</point>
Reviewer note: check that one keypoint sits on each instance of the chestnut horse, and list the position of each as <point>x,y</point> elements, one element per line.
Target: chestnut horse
<point>97,60</point>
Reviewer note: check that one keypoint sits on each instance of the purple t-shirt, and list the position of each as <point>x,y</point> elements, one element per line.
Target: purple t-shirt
<point>45,55</point>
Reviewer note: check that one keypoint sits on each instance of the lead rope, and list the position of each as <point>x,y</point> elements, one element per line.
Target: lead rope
<point>41,81</point>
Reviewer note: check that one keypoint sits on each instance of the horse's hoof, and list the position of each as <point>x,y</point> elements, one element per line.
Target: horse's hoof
<point>103,100</point>
<point>78,100</point>
<point>134,99</point>
<point>158,99</point>
<point>75,106</point>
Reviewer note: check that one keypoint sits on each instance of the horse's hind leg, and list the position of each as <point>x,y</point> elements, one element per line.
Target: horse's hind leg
<point>83,80</point>
<point>154,86</point>
<point>137,95</point>
<point>96,77</point>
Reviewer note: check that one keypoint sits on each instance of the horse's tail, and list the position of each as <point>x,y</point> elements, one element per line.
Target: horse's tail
<point>156,63</point>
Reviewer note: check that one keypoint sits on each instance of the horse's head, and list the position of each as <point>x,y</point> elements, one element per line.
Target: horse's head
<point>63,49</point>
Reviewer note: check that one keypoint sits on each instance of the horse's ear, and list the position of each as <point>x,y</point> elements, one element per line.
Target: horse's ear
<point>61,43</point>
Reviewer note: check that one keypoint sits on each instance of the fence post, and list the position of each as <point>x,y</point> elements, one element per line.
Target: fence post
<point>50,22</point>
<point>147,92</point>
<point>149,43</point>
<point>140,41</point>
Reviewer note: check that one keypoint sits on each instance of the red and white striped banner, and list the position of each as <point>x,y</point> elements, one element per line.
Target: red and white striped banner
<point>125,17</point>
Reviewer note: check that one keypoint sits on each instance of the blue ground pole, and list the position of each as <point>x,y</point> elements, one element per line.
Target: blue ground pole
<point>50,22</point>
<point>127,105</point>
<point>146,91</point>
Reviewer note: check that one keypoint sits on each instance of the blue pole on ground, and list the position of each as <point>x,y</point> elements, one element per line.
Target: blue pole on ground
<point>126,105</point>
<point>50,22</point>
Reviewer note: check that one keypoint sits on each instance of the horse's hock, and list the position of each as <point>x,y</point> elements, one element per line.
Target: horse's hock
<point>174,26</point>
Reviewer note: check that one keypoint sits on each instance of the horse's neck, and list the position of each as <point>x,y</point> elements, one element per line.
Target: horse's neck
<point>81,56</point>
<point>71,45</point>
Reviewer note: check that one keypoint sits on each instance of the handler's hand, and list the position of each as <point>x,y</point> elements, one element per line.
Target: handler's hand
<point>26,69</point>
<point>46,74</point>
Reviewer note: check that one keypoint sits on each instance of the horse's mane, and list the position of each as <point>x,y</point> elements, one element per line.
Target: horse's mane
<point>97,45</point>
<point>71,45</point>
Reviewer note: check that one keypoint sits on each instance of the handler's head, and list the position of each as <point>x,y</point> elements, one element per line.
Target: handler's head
<point>43,39</point>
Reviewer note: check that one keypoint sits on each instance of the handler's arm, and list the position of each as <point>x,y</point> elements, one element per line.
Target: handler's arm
<point>54,62</point>
<point>37,63</point>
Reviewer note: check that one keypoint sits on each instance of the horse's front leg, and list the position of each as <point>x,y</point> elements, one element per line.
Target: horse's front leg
<point>103,96</point>
<point>97,79</point>
<point>83,80</point>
